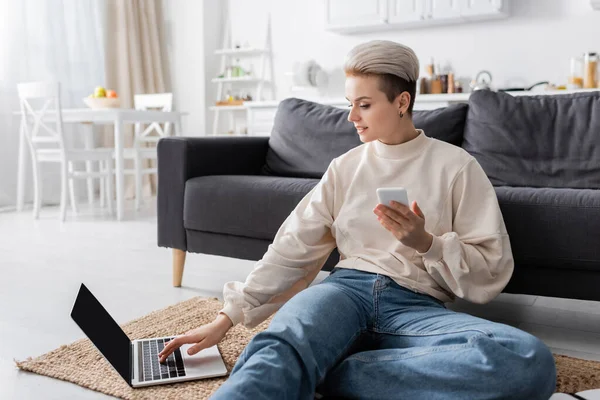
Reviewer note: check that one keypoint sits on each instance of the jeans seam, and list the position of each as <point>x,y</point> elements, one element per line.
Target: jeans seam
<point>429,350</point>
<point>433,333</point>
<point>375,305</point>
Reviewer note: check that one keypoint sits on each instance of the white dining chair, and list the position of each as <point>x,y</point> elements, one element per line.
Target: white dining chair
<point>44,134</point>
<point>141,150</point>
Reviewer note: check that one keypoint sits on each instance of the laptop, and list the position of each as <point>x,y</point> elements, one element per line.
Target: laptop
<point>137,360</point>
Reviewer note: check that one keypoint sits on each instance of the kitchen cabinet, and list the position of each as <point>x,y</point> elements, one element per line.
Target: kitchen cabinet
<point>483,9</point>
<point>440,10</point>
<point>406,11</point>
<point>363,16</point>
<point>355,14</point>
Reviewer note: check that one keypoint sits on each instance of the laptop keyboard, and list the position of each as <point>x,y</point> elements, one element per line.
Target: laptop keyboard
<point>153,370</point>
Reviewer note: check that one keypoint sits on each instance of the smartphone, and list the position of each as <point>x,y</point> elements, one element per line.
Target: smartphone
<point>386,195</point>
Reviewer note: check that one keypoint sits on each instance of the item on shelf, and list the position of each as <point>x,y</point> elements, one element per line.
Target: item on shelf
<point>236,70</point>
<point>245,97</point>
<point>546,85</point>
<point>590,70</point>
<point>451,85</point>
<point>230,103</point>
<point>309,73</point>
<point>435,86</point>
<point>430,69</point>
<point>575,80</point>
<point>458,87</point>
<point>483,80</point>
<point>444,80</point>
<point>423,86</point>
<point>438,80</point>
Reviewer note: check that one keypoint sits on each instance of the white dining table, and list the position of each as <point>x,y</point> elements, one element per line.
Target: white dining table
<point>115,116</point>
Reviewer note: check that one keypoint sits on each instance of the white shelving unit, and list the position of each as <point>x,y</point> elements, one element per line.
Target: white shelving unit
<point>255,84</point>
<point>236,79</point>
<point>246,51</point>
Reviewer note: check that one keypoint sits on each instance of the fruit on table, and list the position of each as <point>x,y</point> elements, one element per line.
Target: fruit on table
<point>111,93</point>
<point>100,92</point>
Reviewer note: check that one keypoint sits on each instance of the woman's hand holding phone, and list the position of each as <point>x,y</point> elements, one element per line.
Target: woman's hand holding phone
<point>406,223</point>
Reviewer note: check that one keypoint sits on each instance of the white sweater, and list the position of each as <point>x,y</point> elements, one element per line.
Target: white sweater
<point>470,256</point>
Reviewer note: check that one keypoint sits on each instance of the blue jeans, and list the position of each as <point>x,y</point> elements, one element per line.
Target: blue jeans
<point>360,335</point>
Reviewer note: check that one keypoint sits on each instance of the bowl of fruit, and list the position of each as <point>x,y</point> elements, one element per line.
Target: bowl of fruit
<point>102,98</point>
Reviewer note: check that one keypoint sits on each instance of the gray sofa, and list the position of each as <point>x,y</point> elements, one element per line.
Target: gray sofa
<point>229,195</point>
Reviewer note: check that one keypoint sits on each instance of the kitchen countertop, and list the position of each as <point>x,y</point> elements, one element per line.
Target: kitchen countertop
<point>422,98</point>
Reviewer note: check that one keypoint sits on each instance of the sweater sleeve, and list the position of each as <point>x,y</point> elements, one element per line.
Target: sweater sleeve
<point>300,248</point>
<point>474,261</point>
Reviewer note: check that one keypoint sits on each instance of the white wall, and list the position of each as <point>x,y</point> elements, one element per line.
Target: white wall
<point>184,48</point>
<point>534,44</point>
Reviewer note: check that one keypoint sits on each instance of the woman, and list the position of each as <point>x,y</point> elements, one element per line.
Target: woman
<point>376,327</point>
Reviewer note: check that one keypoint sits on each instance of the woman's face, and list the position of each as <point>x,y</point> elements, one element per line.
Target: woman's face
<point>374,117</point>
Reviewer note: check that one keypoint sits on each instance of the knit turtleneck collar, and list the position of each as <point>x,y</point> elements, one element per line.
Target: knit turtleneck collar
<point>403,150</point>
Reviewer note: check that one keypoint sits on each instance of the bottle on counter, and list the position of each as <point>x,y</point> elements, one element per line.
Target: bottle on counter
<point>576,76</point>
<point>590,70</point>
<point>436,86</point>
<point>451,85</point>
<point>458,87</point>
<point>423,89</point>
<point>435,83</point>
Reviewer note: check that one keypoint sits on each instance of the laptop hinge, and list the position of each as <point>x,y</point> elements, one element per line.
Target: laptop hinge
<point>140,362</point>
<point>130,363</point>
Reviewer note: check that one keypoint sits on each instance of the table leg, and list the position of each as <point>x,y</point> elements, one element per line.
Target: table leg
<point>119,174</point>
<point>250,122</point>
<point>88,138</point>
<point>21,168</point>
<point>178,128</point>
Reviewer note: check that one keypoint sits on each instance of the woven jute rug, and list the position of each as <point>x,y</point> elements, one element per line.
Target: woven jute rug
<point>81,363</point>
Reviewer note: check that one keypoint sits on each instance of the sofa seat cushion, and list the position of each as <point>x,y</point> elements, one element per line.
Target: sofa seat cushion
<point>552,228</point>
<point>536,141</point>
<point>306,136</point>
<point>242,205</point>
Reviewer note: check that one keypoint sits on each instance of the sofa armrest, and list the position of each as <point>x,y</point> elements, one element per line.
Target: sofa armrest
<point>182,158</point>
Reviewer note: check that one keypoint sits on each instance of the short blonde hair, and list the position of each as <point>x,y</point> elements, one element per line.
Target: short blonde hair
<point>396,65</point>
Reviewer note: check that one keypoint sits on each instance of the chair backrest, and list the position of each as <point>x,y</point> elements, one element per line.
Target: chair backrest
<point>160,101</point>
<point>43,126</point>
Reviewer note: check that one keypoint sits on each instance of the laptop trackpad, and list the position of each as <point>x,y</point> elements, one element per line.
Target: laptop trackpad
<point>207,362</point>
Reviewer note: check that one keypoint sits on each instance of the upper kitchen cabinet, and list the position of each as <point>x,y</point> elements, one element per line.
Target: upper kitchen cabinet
<point>353,16</point>
<point>442,10</point>
<point>406,11</point>
<point>484,9</point>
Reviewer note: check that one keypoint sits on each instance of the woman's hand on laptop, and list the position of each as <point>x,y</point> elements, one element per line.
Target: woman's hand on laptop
<point>204,337</point>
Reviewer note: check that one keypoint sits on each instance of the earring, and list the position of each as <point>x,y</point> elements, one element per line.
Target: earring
<point>401,115</point>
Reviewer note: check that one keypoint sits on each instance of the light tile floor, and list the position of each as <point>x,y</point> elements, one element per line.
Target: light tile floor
<point>43,262</point>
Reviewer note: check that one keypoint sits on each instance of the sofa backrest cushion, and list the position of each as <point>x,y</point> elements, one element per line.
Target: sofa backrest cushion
<point>306,136</point>
<point>536,141</point>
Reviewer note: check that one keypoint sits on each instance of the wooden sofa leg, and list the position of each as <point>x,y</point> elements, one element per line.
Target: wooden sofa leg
<point>178,264</point>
